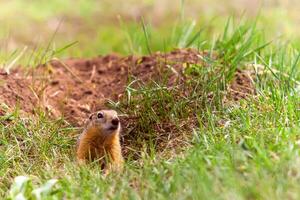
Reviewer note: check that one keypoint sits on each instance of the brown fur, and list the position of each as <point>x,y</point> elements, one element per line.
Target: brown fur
<point>98,142</point>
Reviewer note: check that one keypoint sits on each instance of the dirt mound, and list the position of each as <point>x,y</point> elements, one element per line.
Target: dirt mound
<point>75,87</point>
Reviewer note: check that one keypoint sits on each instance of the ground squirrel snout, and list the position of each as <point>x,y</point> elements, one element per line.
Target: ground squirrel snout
<point>100,140</point>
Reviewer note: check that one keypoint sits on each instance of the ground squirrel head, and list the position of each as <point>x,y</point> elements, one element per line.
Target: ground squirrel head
<point>105,120</point>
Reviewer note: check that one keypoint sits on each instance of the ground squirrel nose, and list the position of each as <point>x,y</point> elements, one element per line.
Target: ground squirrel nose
<point>115,121</point>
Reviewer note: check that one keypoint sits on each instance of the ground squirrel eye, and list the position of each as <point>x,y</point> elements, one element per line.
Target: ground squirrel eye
<point>100,115</point>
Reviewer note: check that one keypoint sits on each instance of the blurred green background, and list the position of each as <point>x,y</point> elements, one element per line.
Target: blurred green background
<point>101,27</point>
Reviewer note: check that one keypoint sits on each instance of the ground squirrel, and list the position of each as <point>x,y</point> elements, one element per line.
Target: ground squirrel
<point>100,140</point>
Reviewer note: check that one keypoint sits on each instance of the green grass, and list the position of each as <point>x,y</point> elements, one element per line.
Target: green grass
<point>255,156</point>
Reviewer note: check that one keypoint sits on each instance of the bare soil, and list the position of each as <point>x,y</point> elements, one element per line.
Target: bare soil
<point>75,87</point>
